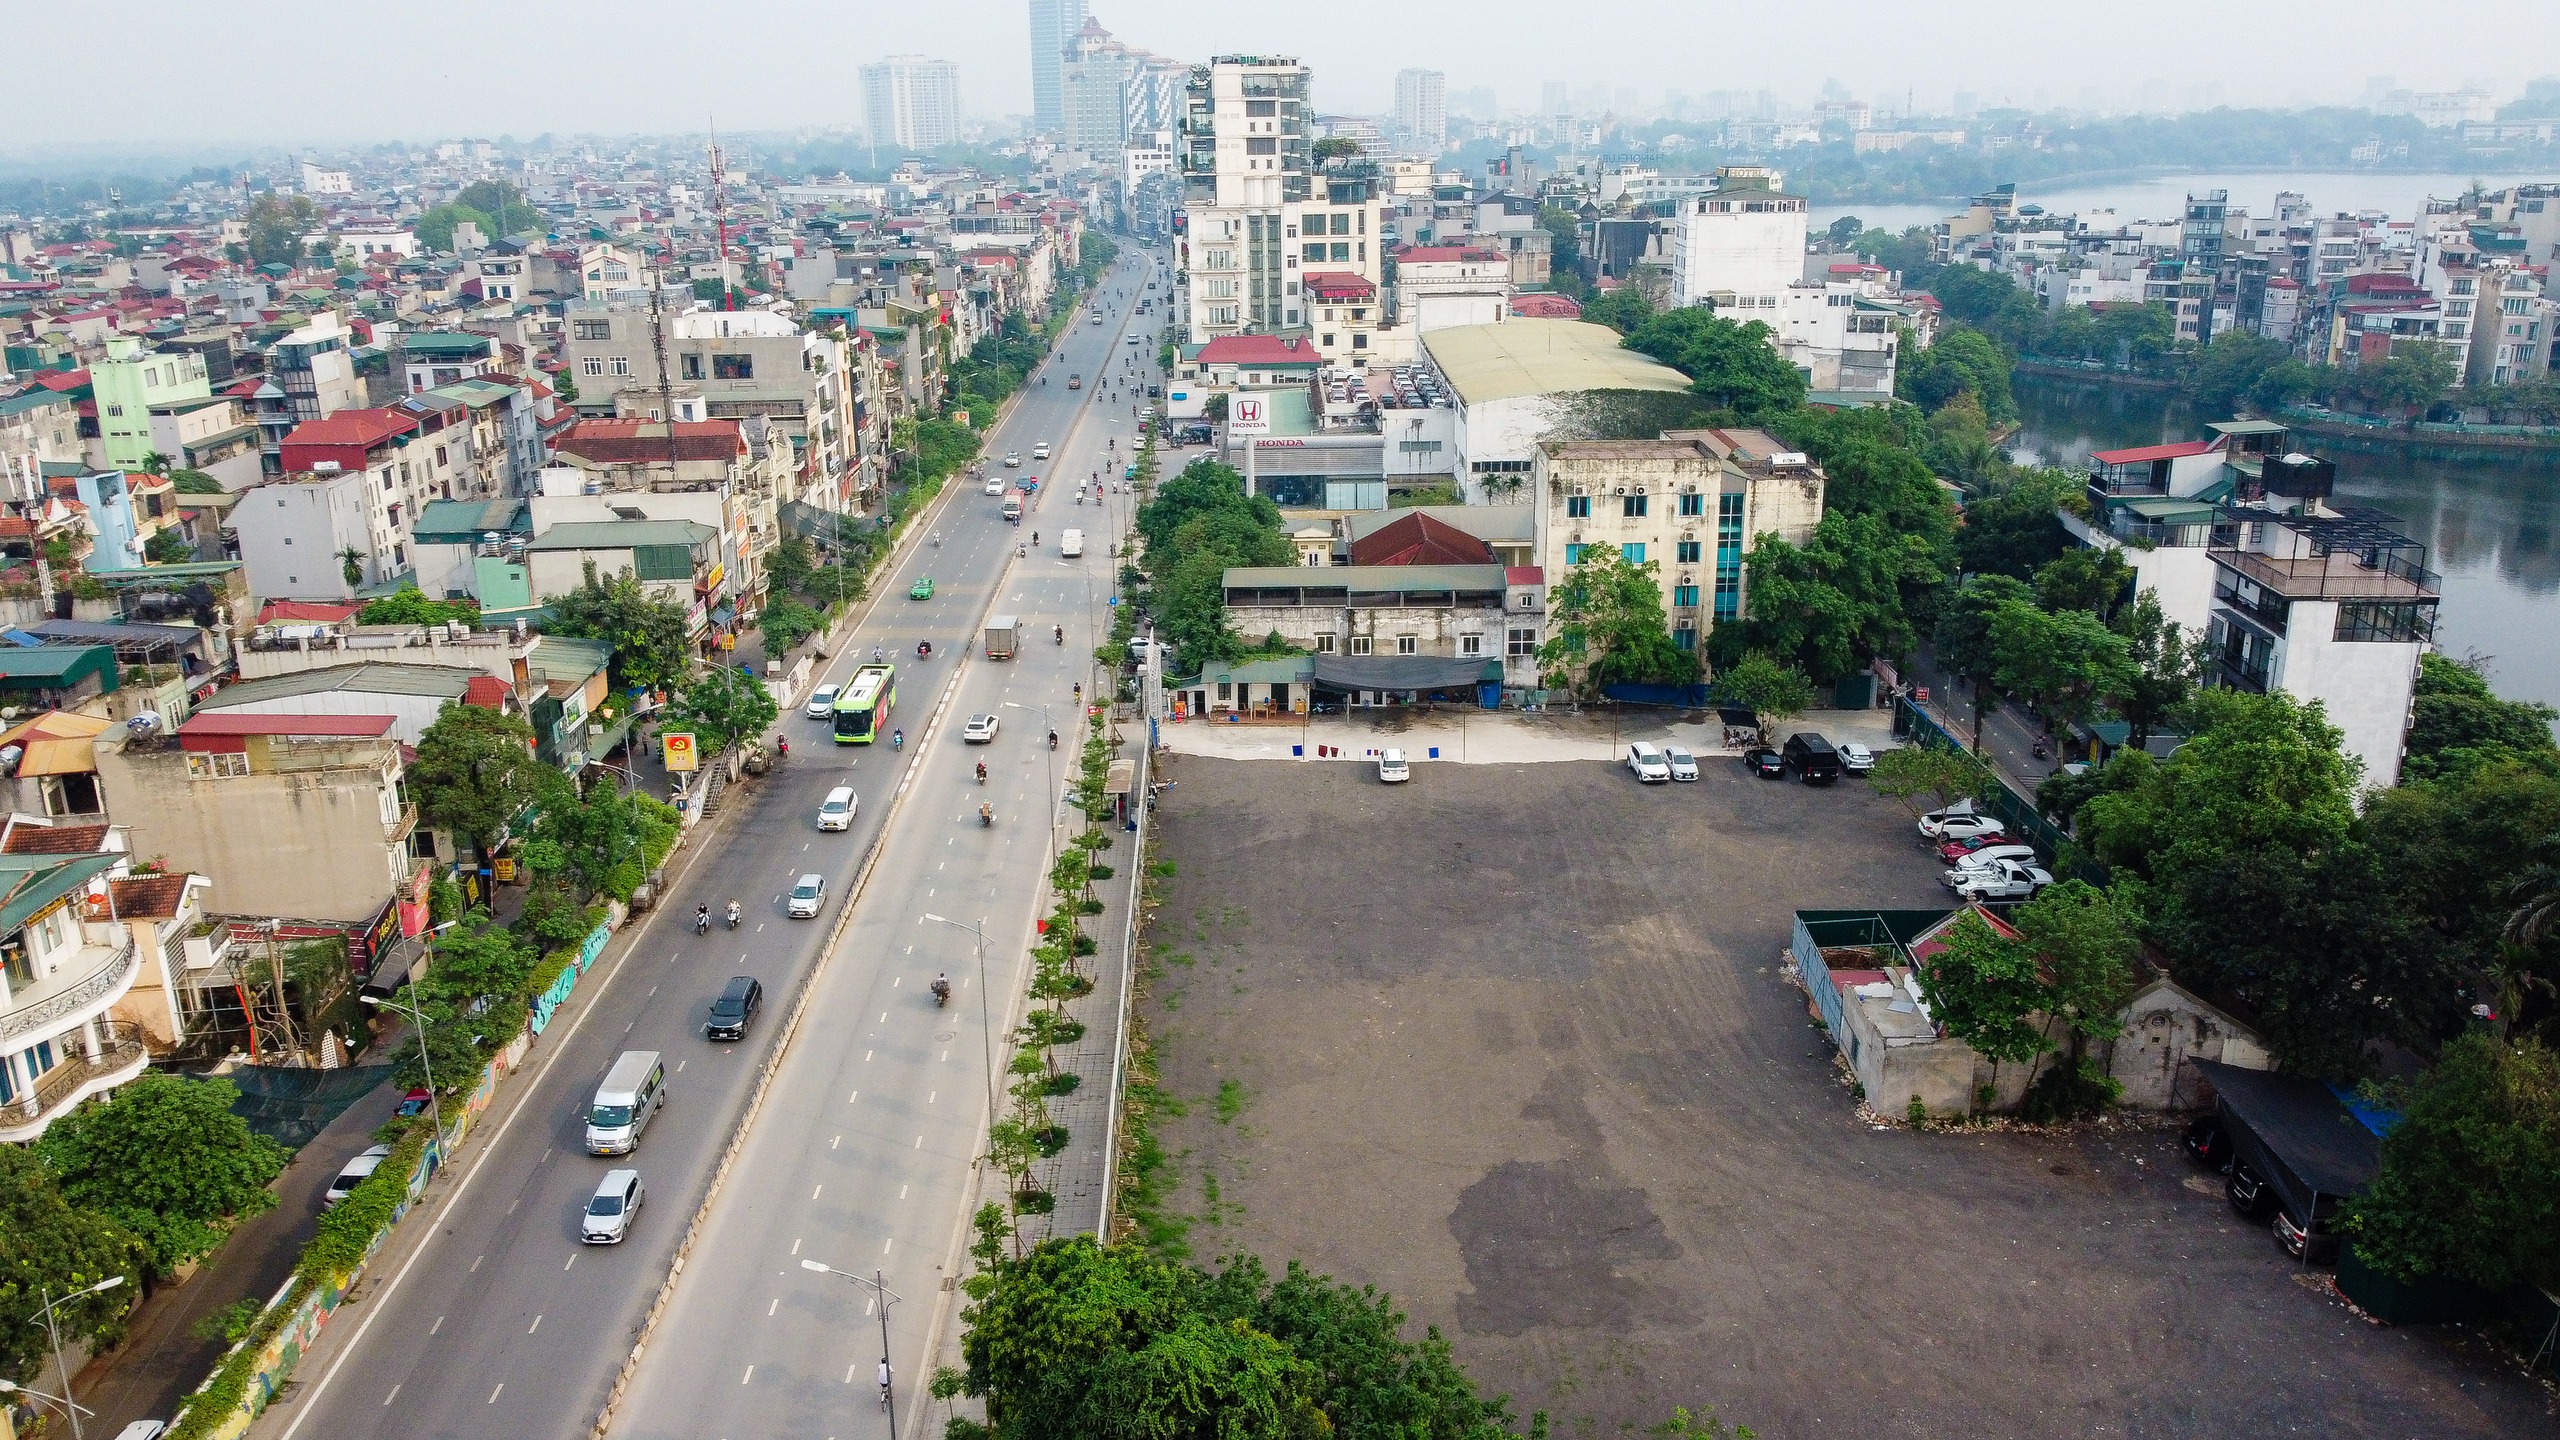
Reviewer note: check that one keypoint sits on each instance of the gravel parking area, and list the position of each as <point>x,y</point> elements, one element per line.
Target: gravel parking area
<point>1511,1043</point>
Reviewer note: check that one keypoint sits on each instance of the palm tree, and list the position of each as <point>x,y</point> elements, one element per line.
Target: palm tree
<point>2536,893</point>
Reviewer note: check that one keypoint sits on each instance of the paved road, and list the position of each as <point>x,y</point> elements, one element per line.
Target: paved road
<point>862,1156</point>
<point>498,1322</point>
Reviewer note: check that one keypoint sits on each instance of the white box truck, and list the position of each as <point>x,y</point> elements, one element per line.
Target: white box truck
<point>1004,632</point>
<point>1071,543</point>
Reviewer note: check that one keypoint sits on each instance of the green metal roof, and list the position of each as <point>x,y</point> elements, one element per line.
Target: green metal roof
<point>447,344</point>
<point>55,667</point>
<point>475,392</point>
<point>31,883</point>
<point>463,522</point>
<point>624,534</point>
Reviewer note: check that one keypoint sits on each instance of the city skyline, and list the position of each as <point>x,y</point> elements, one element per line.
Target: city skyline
<point>1875,53</point>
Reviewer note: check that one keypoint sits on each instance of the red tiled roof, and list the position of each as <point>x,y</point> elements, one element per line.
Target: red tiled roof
<point>1339,285</point>
<point>1542,306</point>
<point>624,442</point>
<point>147,897</point>
<point>308,611</point>
<point>1523,575</point>
<point>1417,539</point>
<point>55,840</point>
<point>2178,451</point>
<point>486,691</point>
<point>1259,350</point>
<point>61,380</point>
<point>352,427</point>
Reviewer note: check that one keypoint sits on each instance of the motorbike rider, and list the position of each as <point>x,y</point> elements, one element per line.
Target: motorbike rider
<point>941,988</point>
<point>897,739</point>
<point>1053,739</point>
<point>733,913</point>
<point>982,772</point>
<point>1059,633</point>
<point>986,813</point>
<point>701,919</point>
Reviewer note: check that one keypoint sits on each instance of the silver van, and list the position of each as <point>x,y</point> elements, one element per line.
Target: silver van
<point>631,1093</point>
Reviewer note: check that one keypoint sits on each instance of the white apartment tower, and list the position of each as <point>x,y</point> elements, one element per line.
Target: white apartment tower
<point>912,103</point>
<point>1739,246</point>
<point>1422,110</point>
<point>1254,204</point>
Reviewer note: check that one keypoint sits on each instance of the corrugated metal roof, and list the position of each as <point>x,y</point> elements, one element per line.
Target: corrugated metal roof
<point>32,883</point>
<point>445,682</point>
<point>1542,357</point>
<point>623,534</point>
<point>1365,578</point>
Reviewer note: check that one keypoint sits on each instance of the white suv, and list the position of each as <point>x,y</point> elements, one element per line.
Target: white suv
<point>1645,759</point>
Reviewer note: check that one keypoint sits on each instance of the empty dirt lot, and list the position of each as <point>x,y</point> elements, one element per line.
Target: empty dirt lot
<point>1511,1043</point>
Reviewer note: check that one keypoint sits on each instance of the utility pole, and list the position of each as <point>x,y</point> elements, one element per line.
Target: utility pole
<point>886,1297</point>
<point>658,347</point>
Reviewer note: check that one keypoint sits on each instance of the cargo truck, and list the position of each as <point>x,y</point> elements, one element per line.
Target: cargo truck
<point>1003,633</point>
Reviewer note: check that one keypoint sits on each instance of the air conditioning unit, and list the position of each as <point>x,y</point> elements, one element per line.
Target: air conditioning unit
<point>1688,489</point>
<point>1580,490</point>
<point>1622,489</point>
<point>1640,490</point>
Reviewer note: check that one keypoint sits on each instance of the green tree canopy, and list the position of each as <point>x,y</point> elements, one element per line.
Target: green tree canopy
<point>722,707</point>
<point>2060,662</point>
<point>1078,1340</point>
<point>1925,777</point>
<point>277,225</point>
<point>1770,689</point>
<point>1963,359</point>
<point>651,638</point>
<point>2457,721</point>
<point>2017,530</point>
<point>1196,525</point>
<point>409,605</point>
<point>1623,309</point>
<point>2167,665</point>
<point>1835,603</point>
<point>435,227</point>
<point>1606,626</point>
<point>167,1161</point>
<point>502,205</point>
<point>46,1244</point>
<point>1733,365</point>
<point>1985,989</point>
<point>476,771</point>
<point>2229,370</point>
<point>2470,1183</point>
<point>1964,643</point>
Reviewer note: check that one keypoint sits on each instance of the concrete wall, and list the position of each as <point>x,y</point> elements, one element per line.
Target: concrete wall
<point>308,844</point>
<point>290,536</point>
<point>2366,685</point>
<point>2182,576</point>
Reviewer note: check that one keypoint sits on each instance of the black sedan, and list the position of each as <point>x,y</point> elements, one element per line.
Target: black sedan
<point>1764,762</point>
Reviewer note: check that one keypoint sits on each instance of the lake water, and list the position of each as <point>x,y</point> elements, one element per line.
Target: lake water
<point>2491,528</point>
<point>2164,197</point>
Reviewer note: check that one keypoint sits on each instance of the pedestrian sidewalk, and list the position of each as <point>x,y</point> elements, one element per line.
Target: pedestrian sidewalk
<point>1508,737</point>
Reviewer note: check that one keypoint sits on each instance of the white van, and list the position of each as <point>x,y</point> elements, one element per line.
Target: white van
<point>631,1093</point>
<point>1071,543</point>
<point>836,811</point>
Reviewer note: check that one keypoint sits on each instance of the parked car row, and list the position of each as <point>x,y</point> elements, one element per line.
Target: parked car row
<point>1660,764</point>
<point>1810,757</point>
<point>2253,1198</point>
<point>1983,861</point>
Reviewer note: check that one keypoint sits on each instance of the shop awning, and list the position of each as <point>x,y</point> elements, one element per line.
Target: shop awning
<point>1404,672</point>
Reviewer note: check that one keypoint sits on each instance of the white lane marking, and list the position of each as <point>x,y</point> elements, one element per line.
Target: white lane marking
<point>795,1246</point>
<point>919,1142</point>
<point>848,1379</point>
<point>680,1066</point>
<point>394,1395</point>
<point>475,1263</point>
<point>893,982</point>
<point>776,1305</point>
<point>436,1326</point>
<point>572,1260</point>
<point>902,1192</point>
<point>814,1194</point>
<point>750,1375</point>
<point>885,1244</point>
<point>884,1017</point>
<point>493,1395</point>
<point>536,1325</point>
<point>929,1096</point>
<point>839,1140</point>
<point>946,1054</point>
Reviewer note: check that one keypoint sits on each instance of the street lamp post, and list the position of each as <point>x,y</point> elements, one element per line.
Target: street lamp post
<point>887,1297</point>
<point>53,1336</point>
<point>986,1004</point>
<point>426,1059</point>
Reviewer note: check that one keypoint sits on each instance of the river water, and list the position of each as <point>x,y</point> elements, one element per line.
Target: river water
<point>2491,527</point>
<point>2164,197</point>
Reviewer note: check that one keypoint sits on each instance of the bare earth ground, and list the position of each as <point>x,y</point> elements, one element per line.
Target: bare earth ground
<point>1510,1042</point>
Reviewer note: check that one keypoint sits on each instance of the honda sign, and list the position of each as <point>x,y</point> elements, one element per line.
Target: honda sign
<point>1248,416</point>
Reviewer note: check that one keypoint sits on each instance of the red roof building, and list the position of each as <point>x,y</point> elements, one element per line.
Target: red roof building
<point>345,439</point>
<point>1416,539</point>
<point>1340,287</point>
<point>2178,451</point>
<point>306,612</point>
<point>644,442</point>
<point>1265,351</point>
<point>1541,305</point>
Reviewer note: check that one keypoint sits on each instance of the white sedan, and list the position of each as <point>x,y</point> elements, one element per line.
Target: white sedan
<point>980,730</point>
<point>1960,827</point>
<point>822,703</point>
<point>1014,459</point>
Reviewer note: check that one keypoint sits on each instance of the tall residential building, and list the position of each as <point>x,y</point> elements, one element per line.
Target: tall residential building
<point>129,384</point>
<point>1054,26</point>
<point>1739,246</point>
<point>1422,110</point>
<point>912,103</point>
<point>1253,204</point>
<point>1093,92</point>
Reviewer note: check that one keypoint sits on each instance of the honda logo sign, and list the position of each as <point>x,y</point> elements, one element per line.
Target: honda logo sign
<point>1248,417</point>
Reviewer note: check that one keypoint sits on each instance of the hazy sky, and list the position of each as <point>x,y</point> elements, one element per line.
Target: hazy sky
<point>162,72</point>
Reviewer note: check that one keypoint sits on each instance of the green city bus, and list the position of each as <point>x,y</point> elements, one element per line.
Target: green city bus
<point>864,705</point>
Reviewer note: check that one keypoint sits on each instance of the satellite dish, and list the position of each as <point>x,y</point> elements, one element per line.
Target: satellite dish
<point>143,722</point>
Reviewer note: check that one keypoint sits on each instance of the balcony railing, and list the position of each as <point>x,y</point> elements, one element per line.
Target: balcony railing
<point>2337,575</point>
<point>49,1007</point>
<point>120,1057</point>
